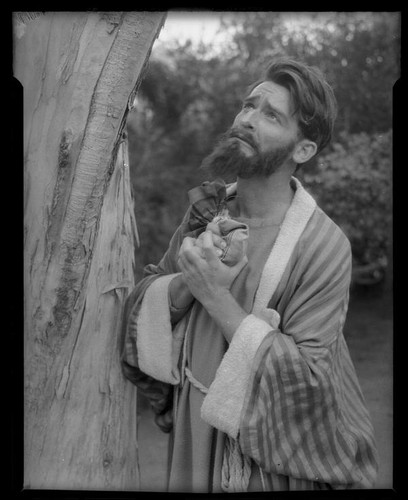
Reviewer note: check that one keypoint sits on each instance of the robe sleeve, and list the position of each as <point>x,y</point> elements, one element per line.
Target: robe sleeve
<point>302,414</point>
<point>152,332</point>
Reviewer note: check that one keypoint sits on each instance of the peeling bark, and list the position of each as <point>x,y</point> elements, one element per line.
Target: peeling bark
<point>79,72</point>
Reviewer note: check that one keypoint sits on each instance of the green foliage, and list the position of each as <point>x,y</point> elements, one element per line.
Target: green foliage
<point>190,95</point>
<point>160,195</point>
<point>358,53</point>
<point>352,184</point>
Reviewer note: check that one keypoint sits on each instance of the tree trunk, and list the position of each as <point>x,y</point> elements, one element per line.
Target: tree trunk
<point>80,72</point>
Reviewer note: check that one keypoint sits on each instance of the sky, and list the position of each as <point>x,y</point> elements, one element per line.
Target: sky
<point>203,25</point>
<point>196,25</point>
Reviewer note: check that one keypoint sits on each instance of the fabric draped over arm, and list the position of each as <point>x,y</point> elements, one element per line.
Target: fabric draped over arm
<point>159,393</point>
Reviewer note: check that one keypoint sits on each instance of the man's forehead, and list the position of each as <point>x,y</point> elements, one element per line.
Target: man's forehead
<point>272,89</point>
<point>275,94</point>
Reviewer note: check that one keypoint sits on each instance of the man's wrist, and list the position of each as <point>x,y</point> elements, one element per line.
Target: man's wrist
<point>180,295</point>
<point>225,311</point>
<point>216,293</point>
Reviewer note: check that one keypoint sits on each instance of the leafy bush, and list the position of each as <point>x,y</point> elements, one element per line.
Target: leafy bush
<point>352,184</point>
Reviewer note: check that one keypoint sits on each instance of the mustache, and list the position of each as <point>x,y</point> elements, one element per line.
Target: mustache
<point>238,133</point>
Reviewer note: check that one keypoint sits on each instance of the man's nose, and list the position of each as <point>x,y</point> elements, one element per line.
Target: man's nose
<point>248,119</point>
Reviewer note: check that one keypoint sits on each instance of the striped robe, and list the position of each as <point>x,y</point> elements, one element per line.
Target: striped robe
<point>286,388</point>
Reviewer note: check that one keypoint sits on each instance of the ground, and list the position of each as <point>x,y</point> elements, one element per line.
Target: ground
<point>369,335</point>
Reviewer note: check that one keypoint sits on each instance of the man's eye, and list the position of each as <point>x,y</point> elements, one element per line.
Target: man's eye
<point>271,114</point>
<point>247,105</point>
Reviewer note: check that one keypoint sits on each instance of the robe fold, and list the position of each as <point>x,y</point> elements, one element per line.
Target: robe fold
<point>285,388</point>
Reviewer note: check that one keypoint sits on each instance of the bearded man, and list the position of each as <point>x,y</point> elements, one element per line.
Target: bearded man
<point>236,335</point>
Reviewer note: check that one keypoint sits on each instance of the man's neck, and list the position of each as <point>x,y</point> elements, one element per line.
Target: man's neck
<point>264,198</point>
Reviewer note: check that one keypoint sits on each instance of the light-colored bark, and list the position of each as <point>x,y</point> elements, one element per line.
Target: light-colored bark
<point>79,72</point>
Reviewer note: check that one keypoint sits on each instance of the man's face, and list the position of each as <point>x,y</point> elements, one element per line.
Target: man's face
<point>266,120</point>
<point>262,137</point>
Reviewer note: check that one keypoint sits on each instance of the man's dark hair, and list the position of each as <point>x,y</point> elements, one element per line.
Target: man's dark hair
<point>313,98</point>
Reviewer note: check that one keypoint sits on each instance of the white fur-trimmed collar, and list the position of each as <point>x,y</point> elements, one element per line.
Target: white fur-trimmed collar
<point>293,225</point>
<point>223,404</point>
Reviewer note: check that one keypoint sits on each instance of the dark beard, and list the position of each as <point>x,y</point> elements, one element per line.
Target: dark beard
<point>229,162</point>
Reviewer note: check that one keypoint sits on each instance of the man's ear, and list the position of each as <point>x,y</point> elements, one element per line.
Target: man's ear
<point>304,150</point>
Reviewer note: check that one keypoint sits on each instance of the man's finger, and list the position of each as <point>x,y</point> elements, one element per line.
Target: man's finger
<point>218,241</point>
<point>240,265</point>
<point>210,251</point>
<point>214,228</point>
<point>189,250</point>
<point>188,243</point>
